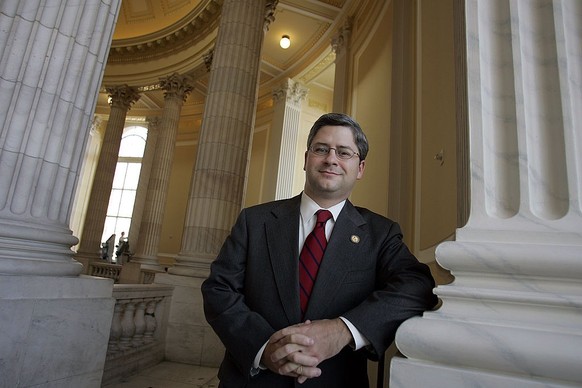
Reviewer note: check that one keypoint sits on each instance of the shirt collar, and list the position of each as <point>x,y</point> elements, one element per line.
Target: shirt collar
<point>309,207</point>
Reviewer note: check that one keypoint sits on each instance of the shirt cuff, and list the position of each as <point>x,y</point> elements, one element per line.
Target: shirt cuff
<point>257,366</point>
<point>359,340</point>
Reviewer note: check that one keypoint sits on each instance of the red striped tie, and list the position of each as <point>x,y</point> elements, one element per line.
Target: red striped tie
<point>310,258</point>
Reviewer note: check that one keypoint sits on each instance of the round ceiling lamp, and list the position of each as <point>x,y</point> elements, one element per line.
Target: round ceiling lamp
<point>285,42</point>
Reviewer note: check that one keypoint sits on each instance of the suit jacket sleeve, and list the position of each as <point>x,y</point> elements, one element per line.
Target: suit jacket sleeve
<point>403,286</point>
<point>241,330</point>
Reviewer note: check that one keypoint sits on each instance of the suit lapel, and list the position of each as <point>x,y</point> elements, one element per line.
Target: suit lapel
<point>282,235</point>
<point>337,260</point>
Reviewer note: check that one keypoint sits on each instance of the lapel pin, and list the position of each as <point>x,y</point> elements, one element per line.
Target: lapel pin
<point>355,239</point>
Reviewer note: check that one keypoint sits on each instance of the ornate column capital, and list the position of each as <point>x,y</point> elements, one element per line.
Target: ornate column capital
<point>177,86</point>
<point>270,7</point>
<point>341,39</point>
<point>96,124</point>
<point>153,122</point>
<point>123,96</point>
<point>290,91</point>
<point>208,57</point>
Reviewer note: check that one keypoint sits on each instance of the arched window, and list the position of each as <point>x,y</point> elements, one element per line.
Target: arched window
<point>125,182</point>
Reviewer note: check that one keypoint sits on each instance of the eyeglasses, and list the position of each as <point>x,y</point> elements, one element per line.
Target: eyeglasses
<point>343,153</point>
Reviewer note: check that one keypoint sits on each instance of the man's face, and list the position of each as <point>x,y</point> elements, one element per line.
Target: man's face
<point>329,179</point>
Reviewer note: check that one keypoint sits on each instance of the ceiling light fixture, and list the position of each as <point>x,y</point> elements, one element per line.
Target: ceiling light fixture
<point>285,42</point>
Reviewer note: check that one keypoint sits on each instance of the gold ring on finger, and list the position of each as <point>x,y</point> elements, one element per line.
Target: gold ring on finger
<point>300,369</point>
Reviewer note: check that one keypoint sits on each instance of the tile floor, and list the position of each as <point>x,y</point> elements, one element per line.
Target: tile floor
<point>171,375</point>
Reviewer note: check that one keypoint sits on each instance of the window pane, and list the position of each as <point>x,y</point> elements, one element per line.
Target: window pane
<point>114,201</point>
<point>132,177</point>
<point>126,203</point>
<point>119,178</point>
<point>109,228</point>
<point>133,142</point>
<point>122,226</point>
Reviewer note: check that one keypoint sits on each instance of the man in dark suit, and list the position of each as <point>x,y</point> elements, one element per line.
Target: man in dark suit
<point>367,284</point>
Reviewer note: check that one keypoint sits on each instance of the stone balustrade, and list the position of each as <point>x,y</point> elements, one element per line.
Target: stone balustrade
<point>104,270</point>
<point>138,329</point>
<point>130,273</point>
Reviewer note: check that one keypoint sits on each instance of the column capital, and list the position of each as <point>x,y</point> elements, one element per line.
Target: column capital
<point>123,96</point>
<point>96,125</point>
<point>208,57</point>
<point>270,7</point>
<point>153,122</point>
<point>290,91</point>
<point>341,39</point>
<point>176,85</point>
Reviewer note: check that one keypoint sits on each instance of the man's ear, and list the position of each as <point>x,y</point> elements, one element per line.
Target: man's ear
<point>304,160</point>
<point>361,168</point>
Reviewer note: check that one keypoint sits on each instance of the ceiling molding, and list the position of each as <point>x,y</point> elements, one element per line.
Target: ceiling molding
<point>177,37</point>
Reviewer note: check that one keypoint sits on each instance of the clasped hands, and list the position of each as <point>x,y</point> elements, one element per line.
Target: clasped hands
<point>297,350</point>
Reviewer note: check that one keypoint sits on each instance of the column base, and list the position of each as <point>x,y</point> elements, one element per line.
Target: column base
<point>511,318</point>
<point>195,267</point>
<point>55,330</point>
<point>189,338</point>
<point>406,373</point>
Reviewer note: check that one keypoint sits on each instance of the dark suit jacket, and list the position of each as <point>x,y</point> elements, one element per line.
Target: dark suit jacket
<point>253,290</point>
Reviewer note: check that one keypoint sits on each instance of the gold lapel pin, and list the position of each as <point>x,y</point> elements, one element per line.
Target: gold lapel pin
<point>355,239</point>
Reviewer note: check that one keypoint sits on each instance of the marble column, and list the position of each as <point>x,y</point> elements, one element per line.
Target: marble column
<point>153,124</point>
<point>52,56</point>
<point>122,97</point>
<point>282,150</point>
<point>218,183</point>
<point>176,89</point>
<point>513,315</point>
<point>340,45</point>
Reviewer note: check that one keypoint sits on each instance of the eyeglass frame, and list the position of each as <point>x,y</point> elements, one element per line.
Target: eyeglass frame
<point>310,148</point>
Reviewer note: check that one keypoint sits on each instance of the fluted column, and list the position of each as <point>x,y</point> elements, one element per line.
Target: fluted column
<point>282,150</point>
<point>144,178</point>
<point>176,89</point>
<point>218,184</point>
<point>513,315</point>
<point>122,97</point>
<point>52,59</point>
<point>52,56</point>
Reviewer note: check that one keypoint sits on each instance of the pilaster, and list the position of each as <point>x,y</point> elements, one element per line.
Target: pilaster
<point>340,45</point>
<point>282,150</point>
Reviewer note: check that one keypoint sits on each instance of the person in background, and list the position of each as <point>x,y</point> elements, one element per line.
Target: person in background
<point>305,290</point>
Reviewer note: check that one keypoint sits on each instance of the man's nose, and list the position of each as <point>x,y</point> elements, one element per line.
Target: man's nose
<point>332,158</point>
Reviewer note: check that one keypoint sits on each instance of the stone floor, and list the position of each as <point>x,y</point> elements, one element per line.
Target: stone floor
<point>171,375</point>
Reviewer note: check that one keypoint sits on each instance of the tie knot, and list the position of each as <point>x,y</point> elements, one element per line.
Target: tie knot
<point>323,216</point>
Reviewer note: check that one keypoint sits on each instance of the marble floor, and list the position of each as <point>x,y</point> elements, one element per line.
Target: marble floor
<point>171,375</point>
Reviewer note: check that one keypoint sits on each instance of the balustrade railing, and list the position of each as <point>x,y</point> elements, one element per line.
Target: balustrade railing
<point>135,274</point>
<point>104,270</point>
<point>138,329</point>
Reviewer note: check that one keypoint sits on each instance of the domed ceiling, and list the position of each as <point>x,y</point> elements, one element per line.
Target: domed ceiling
<point>156,38</point>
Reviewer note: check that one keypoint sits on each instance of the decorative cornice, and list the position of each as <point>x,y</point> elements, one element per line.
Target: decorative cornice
<point>317,69</point>
<point>177,37</point>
